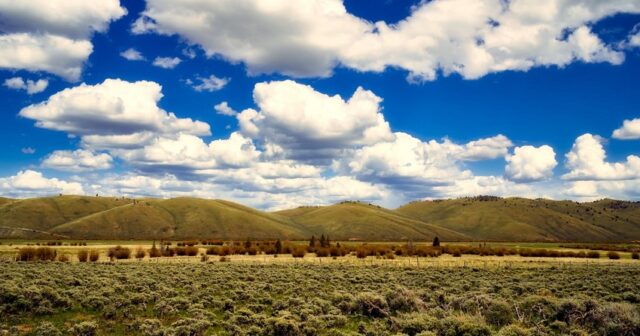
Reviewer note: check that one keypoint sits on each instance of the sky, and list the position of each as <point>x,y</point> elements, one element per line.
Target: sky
<point>277,104</point>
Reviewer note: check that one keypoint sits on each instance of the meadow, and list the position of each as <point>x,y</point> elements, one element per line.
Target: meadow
<point>285,294</point>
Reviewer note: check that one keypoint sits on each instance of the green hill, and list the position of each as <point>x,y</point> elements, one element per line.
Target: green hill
<point>181,218</point>
<point>26,218</point>
<point>518,219</point>
<point>479,218</point>
<point>353,220</point>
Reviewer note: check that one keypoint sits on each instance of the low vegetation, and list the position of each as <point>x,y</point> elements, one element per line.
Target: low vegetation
<point>213,298</point>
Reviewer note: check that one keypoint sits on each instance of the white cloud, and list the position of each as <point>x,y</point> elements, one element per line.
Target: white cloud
<point>52,36</point>
<point>132,55</point>
<point>529,163</point>
<point>212,83</point>
<point>188,152</point>
<point>116,109</point>
<point>630,130</point>
<point>467,37</point>
<point>310,125</point>
<point>29,183</point>
<point>32,87</point>
<point>224,109</point>
<point>586,161</point>
<point>28,150</point>
<point>166,62</point>
<point>77,161</point>
<point>484,185</point>
<point>485,149</point>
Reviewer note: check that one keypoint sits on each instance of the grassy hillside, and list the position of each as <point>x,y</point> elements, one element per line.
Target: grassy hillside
<point>517,219</point>
<point>43,214</point>
<point>351,220</point>
<point>480,218</point>
<point>181,218</point>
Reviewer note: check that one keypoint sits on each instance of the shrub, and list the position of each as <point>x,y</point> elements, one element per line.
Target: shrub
<point>46,329</point>
<point>86,328</point>
<point>94,255</point>
<point>322,252</point>
<point>514,330</point>
<point>213,250</point>
<point>613,255</point>
<point>63,258</point>
<point>298,252</point>
<point>119,252</point>
<point>593,254</point>
<point>154,252</point>
<point>140,253</point>
<point>635,255</point>
<point>498,313</point>
<point>35,254</point>
<point>372,305</point>
<point>83,255</point>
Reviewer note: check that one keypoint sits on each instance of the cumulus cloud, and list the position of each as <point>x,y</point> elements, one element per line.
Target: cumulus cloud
<point>587,161</point>
<point>116,109</point>
<point>166,62</point>
<point>132,55</point>
<point>630,130</point>
<point>467,37</point>
<point>210,84</point>
<point>52,36</point>
<point>304,124</point>
<point>187,153</point>
<point>80,160</point>
<point>224,109</point>
<point>529,163</point>
<point>32,87</point>
<point>30,183</point>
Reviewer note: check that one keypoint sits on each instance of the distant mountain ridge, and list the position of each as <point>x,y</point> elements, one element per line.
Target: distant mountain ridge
<point>482,218</point>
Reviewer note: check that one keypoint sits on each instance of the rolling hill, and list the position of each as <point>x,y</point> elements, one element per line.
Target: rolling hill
<point>482,218</point>
<point>353,220</point>
<point>519,219</point>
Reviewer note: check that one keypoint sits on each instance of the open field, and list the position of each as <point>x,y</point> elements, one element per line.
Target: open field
<point>308,298</point>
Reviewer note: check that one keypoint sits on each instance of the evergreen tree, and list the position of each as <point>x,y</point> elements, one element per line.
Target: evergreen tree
<point>278,246</point>
<point>327,241</point>
<point>312,241</point>
<point>436,242</point>
<point>322,241</point>
<point>247,244</point>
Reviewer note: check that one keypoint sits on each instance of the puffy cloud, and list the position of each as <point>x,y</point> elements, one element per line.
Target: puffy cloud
<point>55,54</point>
<point>484,185</point>
<point>586,161</point>
<point>296,38</point>
<point>132,55</point>
<point>187,153</point>
<point>224,109</point>
<point>468,37</point>
<point>52,36</point>
<point>630,130</point>
<point>77,161</point>
<point>32,87</point>
<point>212,83</point>
<point>407,163</point>
<point>485,149</point>
<point>116,109</point>
<point>310,125</point>
<point>29,183</point>
<point>529,163</point>
<point>166,62</point>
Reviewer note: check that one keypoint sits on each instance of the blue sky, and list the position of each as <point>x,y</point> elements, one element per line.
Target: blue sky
<point>450,98</point>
